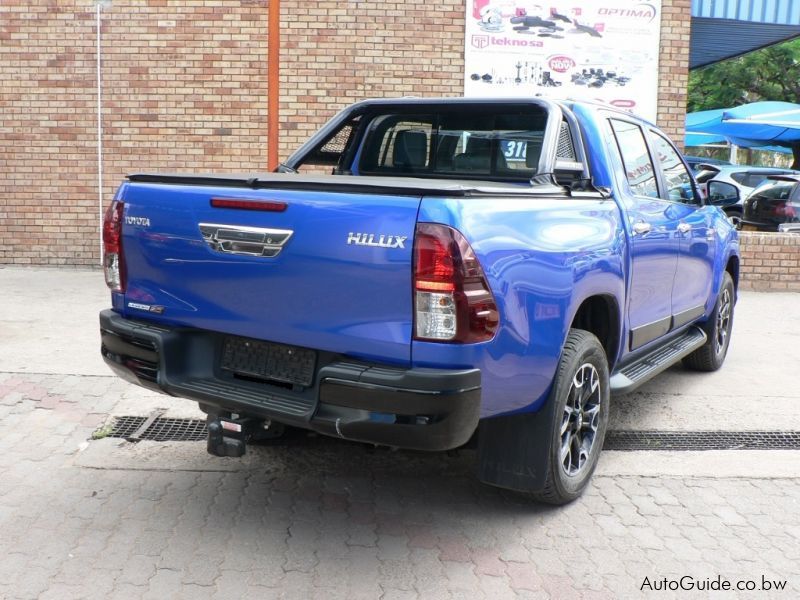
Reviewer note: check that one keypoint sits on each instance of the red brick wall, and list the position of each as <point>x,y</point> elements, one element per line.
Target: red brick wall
<point>770,262</point>
<point>673,67</point>
<point>185,89</point>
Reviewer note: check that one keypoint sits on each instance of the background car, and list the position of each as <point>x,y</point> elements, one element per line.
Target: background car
<point>696,162</point>
<point>773,203</point>
<point>745,178</point>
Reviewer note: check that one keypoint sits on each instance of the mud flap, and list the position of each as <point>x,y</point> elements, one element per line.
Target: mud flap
<point>514,450</point>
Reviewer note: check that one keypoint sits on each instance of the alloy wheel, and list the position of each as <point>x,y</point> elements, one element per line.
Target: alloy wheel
<point>581,420</point>
<point>723,320</point>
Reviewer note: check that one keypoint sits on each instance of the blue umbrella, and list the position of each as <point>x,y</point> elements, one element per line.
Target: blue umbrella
<point>758,124</point>
<point>703,139</point>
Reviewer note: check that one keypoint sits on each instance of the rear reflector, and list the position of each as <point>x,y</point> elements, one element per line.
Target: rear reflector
<point>245,204</point>
<point>453,302</point>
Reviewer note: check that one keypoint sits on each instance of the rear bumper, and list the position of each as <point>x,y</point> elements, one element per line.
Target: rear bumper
<point>760,225</point>
<point>423,409</point>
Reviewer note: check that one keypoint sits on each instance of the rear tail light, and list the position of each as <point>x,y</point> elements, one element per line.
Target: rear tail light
<point>784,209</point>
<point>453,302</point>
<point>113,259</point>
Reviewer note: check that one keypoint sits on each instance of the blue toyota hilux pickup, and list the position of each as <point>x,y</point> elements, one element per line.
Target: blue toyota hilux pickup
<point>483,271</point>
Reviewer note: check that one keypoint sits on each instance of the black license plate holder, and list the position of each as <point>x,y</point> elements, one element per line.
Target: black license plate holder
<point>268,360</point>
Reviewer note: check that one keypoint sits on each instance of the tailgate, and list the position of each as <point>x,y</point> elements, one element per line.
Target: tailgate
<point>330,272</point>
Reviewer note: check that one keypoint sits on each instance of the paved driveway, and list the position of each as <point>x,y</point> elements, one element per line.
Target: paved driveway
<point>318,518</point>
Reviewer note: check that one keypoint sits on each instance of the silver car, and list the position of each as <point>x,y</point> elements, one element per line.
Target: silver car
<point>742,176</point>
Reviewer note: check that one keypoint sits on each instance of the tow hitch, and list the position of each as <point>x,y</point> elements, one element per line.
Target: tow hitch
<point>229,434</point>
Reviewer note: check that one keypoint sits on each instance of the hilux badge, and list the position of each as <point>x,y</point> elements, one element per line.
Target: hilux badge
<point>378,241</point>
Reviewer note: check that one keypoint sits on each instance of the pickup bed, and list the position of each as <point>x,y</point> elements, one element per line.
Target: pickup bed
<point>470,271</point>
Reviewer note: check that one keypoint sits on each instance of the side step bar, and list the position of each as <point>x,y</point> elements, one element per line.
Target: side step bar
<point>632,375</point>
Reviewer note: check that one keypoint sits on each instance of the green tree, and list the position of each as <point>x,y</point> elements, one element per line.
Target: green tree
<point>771,73</point>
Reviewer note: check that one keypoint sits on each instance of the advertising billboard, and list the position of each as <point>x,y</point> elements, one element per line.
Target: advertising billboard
<point>606,51</point>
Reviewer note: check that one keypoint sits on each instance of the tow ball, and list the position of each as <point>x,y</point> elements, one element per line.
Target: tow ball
<point>228,435</point>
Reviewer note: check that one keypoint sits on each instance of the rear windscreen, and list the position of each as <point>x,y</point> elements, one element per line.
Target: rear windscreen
<point>466,143</point>
<point>775,190</point>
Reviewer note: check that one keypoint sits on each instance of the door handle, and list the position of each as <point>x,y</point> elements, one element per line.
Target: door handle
<point>641,227</point>
<point>684,227</point>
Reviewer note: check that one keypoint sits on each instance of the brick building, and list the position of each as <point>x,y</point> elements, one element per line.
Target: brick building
<point>185,89</point>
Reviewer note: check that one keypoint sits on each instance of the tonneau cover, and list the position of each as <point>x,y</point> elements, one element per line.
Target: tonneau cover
<point>405,186</point>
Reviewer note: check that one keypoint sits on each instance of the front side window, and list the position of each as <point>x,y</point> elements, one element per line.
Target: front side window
<point>638,166</point>
<point>462,143</point>
<point>676,175</point>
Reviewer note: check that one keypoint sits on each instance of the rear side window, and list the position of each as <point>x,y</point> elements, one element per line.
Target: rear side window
<point>331,151</point>
<point>676,175</point>
<point>739,177</point>
<point>755,179</point>
<point>463,143</point>
<point>638,165</point>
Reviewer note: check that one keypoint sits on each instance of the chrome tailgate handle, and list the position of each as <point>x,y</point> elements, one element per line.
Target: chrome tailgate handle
<point>243,240</point>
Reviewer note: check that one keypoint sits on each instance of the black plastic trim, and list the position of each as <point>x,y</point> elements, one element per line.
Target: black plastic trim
<point>761,225</point>
<point>647,333</point>
<point>687,316</point>
<point>423,409</point>
<point>465,186</point>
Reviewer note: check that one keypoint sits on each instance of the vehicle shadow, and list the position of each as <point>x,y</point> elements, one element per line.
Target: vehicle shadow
<point>344,495</point>
<point>314,506</point>
<point>383,485</point>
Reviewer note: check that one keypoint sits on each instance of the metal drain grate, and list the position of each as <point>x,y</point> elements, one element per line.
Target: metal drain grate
<point>194,430</point>
<point>176,430</point>
<point>161,429</point>
<point>126,426</point>
<point>702,440</point>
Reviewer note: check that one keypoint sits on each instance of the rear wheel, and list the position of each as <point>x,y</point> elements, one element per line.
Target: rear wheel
<point>711,355</point>
<point>582,395</point>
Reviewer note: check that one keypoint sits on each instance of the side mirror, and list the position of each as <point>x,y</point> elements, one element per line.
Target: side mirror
<point>721,193</point>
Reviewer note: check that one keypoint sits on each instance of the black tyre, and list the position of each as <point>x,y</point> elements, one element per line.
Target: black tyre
<point>711,355</point>
<point>581,395</point>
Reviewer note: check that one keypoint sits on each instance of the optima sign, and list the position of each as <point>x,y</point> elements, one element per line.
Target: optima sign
<point>641,11</point>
